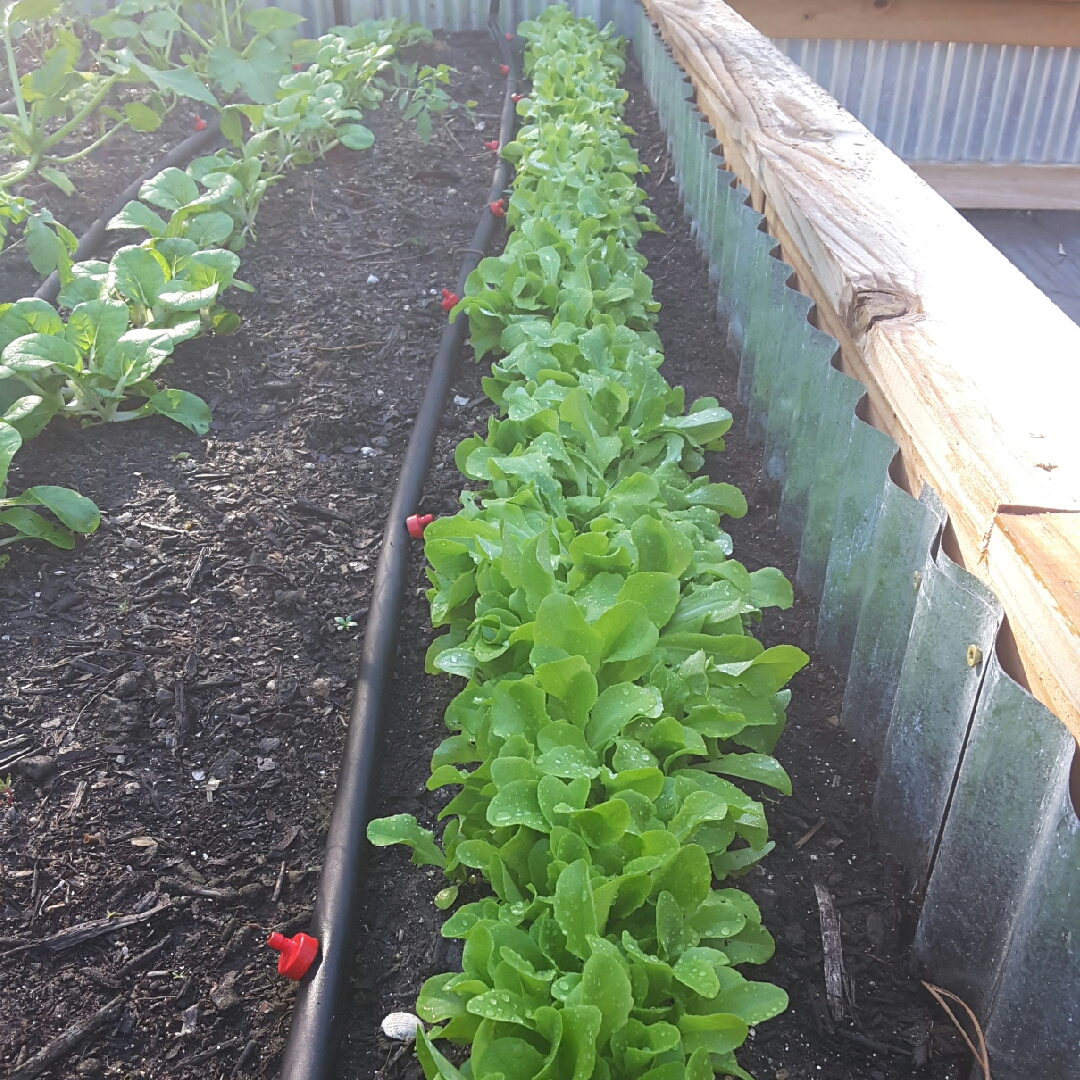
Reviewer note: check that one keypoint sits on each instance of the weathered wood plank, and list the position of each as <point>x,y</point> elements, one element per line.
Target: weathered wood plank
<point>979,185</point>
<point>991,22</point>
<point>968,366</point>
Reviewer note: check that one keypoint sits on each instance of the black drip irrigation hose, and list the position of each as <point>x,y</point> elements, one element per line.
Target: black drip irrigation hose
<point>317,1020</point>
<point>179,157</point>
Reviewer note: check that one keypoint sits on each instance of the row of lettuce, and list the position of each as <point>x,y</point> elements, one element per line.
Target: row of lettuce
<point>614,692</point>
<point>101,363</point>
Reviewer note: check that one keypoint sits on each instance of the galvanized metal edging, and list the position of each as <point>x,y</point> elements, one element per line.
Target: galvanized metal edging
<point>998,859</point>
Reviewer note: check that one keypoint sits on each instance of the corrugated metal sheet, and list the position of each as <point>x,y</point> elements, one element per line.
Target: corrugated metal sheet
<point>942,101</point>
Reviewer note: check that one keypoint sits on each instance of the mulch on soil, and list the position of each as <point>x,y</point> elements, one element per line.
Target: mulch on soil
<point>173,694</point>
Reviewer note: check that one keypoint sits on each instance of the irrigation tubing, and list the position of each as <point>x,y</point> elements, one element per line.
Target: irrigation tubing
<point>317,1020</point>
<point>179,157</point>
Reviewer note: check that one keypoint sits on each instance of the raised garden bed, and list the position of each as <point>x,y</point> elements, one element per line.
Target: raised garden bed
<point>220,572</point>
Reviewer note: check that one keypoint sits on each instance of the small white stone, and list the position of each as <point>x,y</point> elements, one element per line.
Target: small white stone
<point>460,401</point>
<point>401,1025</point>
<point>372,279</point>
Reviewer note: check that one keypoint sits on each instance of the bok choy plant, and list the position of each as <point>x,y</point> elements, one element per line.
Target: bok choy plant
<point>73,512</point>
<point>616,701</point>
<point>126,317</point>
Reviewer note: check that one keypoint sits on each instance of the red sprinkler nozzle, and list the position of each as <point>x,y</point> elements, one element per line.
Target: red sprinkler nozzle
<point>417,523</point>
<point>297,953</point>
<point>449,301</point>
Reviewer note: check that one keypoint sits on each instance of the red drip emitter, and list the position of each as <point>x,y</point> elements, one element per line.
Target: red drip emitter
<point>417,523</point>
<point>297,953</point>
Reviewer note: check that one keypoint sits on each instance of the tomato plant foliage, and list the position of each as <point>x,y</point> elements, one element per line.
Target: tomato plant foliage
<point>615,694</point>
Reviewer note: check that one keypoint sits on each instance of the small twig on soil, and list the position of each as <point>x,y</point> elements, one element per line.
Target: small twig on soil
<point>63,1044</point>
<point>245,1055</point>
<point>154,575</point>
<point>33,748</point>
<point>77,801</point>
<point>144,957</point>
<point>307,507</point>
<point>279,884</point>
<point>185,888</point>
<point>446,128</point>
<point>180,710</point>
<point>833,950</point>
<point>90,701</point>
<point>207,1054</point>
<point>808,835</point>
<point>872,1044</point>
<point>338,348</point>
<point>87,931</point>
<point>196,570</point>
<point>392,1060</point>
<point>982,1059</point>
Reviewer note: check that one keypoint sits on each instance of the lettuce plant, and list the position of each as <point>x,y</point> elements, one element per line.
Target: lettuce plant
<point>615,695</point>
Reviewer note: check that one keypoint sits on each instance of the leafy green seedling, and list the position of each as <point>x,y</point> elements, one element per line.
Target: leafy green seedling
<point>68,511</point>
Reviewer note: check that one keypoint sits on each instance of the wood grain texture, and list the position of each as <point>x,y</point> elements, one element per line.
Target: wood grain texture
<point>977,185</point>
<point>991,22</point>
<point>971,369</point>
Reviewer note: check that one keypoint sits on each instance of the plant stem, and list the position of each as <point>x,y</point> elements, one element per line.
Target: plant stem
<point>135,414</point>
<point>191,31</point>
<point>223,10</point>
<point>12,178</point>
<point>86,149</point>
<point>82,114</point>
<point>13,70</point>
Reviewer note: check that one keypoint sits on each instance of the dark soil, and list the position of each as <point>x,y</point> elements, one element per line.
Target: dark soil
<point>890,1030</point>
<point>181,677</point>
<point>173,694</point>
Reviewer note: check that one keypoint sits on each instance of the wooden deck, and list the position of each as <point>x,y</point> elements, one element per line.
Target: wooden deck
<point>1044,245</point>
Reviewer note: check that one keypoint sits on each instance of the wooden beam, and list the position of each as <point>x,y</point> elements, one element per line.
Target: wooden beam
<point>967,365</point>
<point>992,22</point>
<point>977,185</point>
